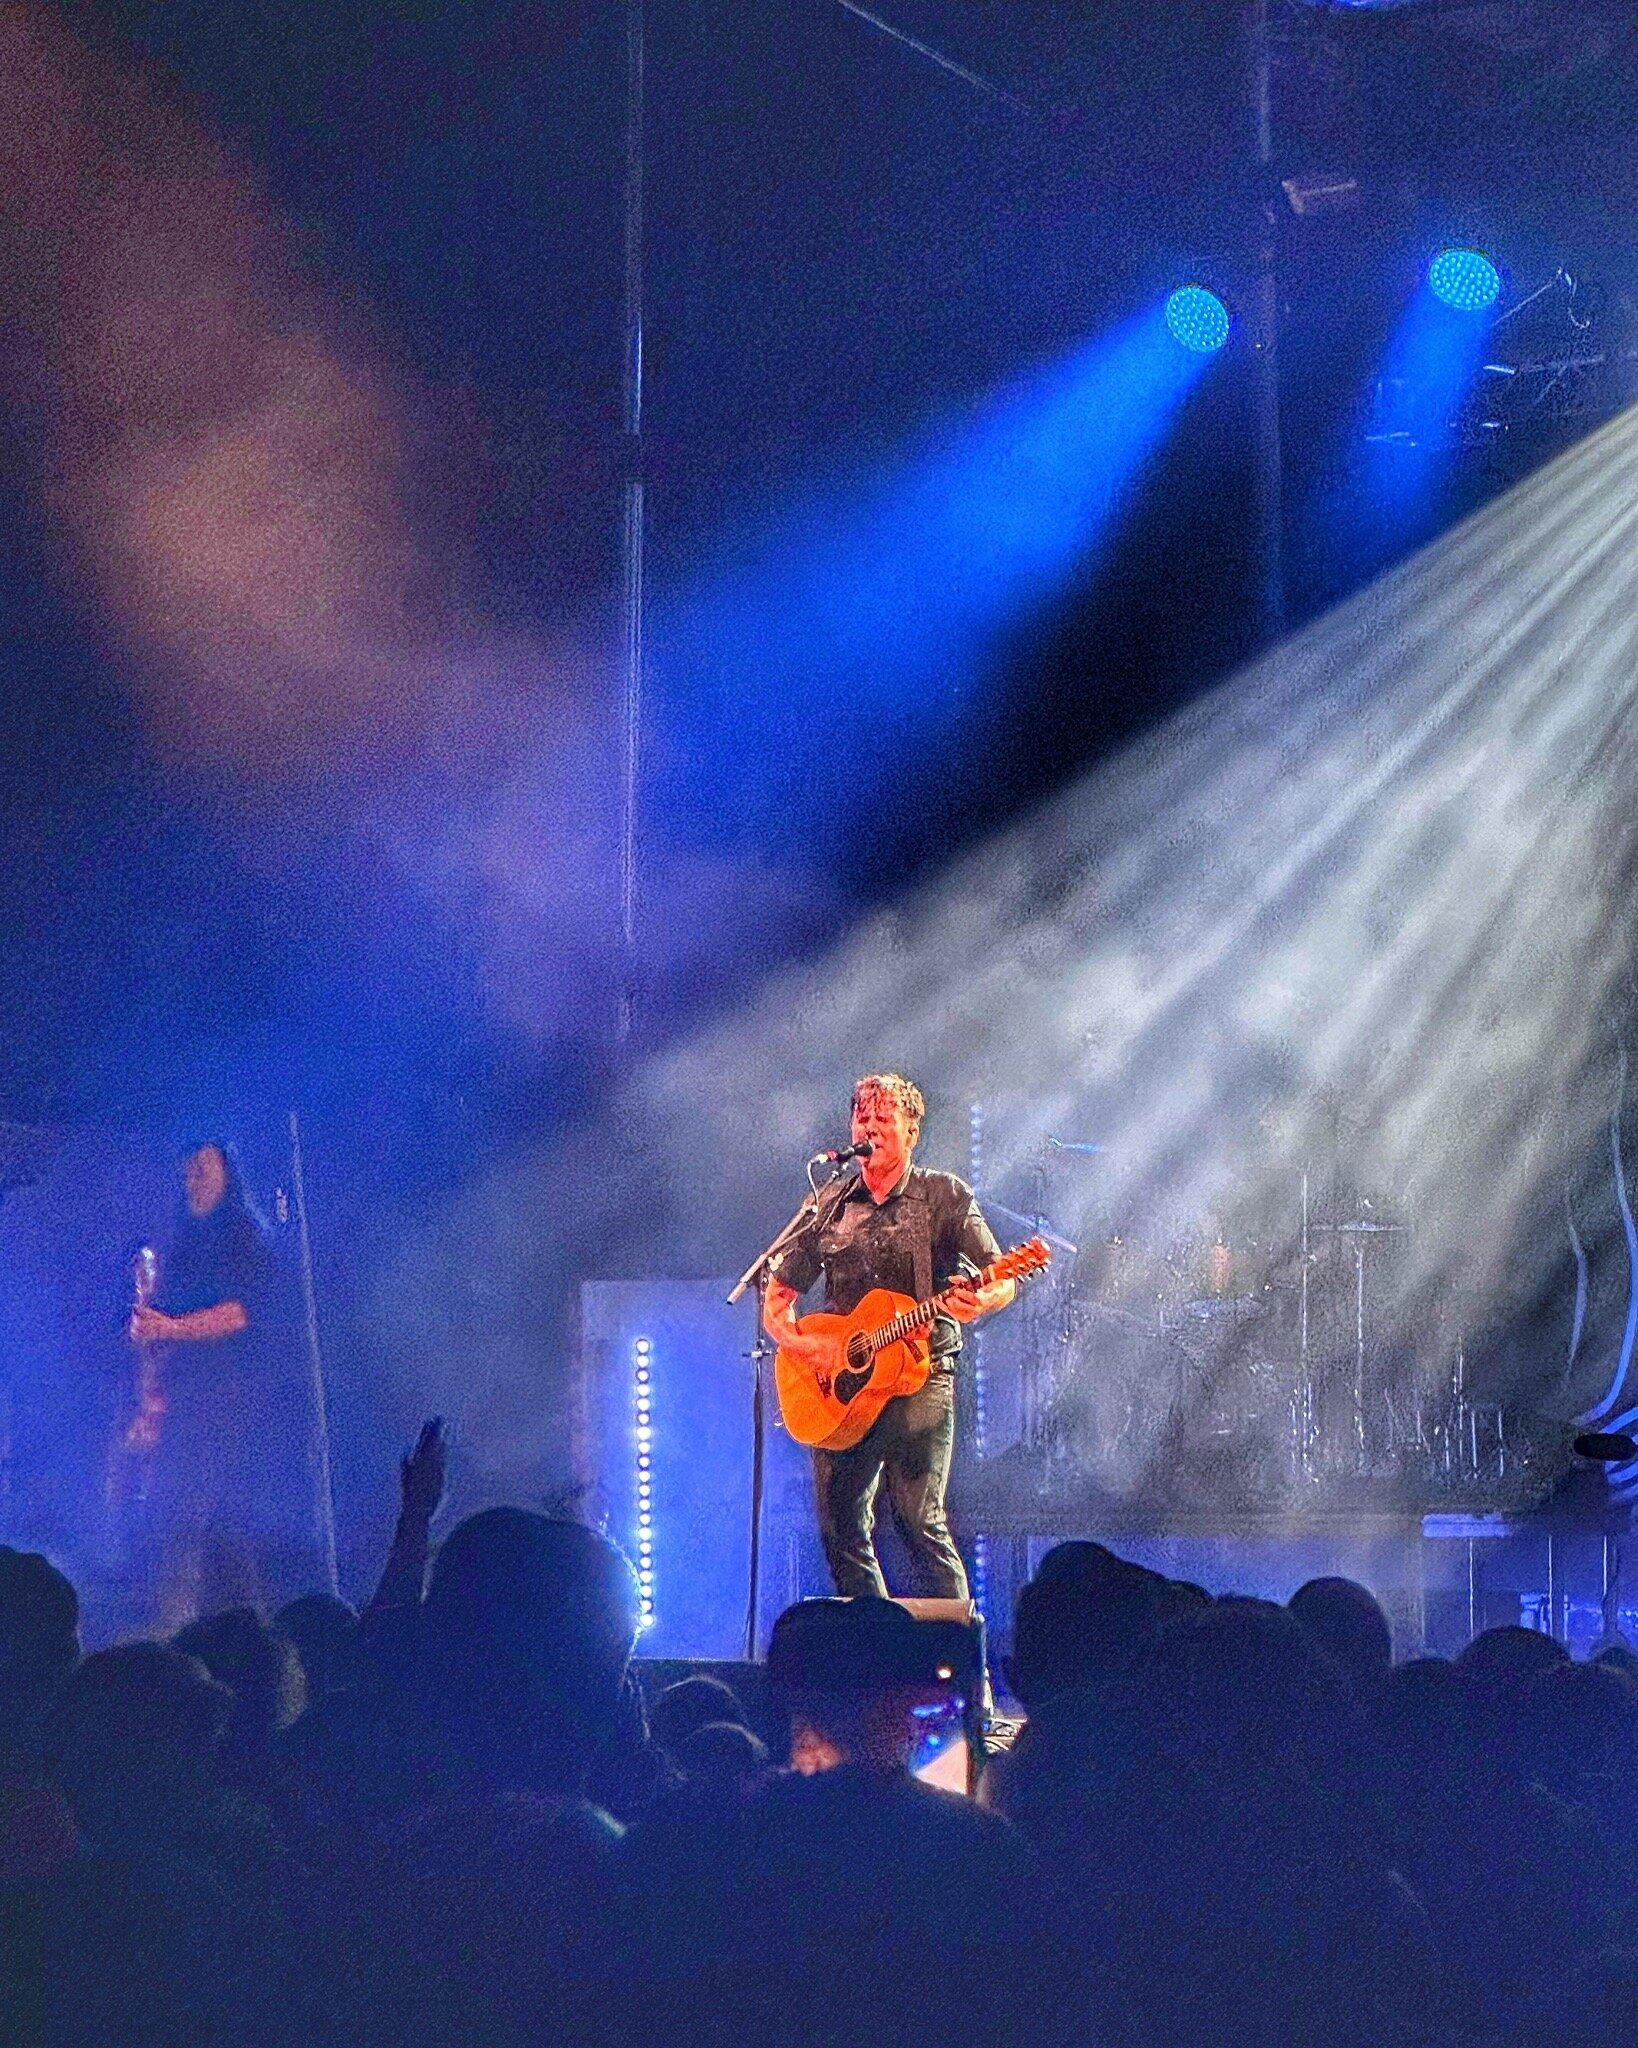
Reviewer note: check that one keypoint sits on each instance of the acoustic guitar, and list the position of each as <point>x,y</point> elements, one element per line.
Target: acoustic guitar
<point>877,1352</point>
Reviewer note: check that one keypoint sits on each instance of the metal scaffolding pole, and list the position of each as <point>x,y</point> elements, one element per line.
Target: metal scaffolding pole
<point>1265,331</point>
<point>634,524</point>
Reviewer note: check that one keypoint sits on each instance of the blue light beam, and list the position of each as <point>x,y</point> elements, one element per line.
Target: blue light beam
<point>880,601</point>
<point>1430,364</point>
<point>1427,372</point>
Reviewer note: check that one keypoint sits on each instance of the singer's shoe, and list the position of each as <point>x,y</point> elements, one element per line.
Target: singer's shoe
<point>1000,1733</point>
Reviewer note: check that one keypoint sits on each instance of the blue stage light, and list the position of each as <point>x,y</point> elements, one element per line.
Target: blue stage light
<point>642,1372</point>
<point>1198,319</point>
<point>1465,280</point>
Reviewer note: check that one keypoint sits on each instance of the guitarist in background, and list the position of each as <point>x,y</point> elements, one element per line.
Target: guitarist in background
<point>230,1504</point>
<point>902,1227</point>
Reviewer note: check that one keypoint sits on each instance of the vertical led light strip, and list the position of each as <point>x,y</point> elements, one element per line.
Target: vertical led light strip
<point>981,1548</point>
<point>642,1377</point>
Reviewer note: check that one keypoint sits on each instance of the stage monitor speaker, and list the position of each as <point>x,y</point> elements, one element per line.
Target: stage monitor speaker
<point>939,1610</point>
<point>960,1632</point>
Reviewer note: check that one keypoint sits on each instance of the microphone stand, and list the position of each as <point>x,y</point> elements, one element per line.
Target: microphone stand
<point>756,1275</point>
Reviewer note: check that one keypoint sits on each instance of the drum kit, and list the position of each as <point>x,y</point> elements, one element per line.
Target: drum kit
<point>1245,1367</point>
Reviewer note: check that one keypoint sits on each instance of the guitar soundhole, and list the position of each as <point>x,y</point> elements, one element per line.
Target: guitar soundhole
<point>856,1374</point>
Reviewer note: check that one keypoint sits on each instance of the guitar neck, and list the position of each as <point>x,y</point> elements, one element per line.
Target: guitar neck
<point>910,1320</point>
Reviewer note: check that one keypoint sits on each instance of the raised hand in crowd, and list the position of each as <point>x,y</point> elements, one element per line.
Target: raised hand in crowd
<point>422,1477</point>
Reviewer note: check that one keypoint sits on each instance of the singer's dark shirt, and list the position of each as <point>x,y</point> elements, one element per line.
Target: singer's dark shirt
<point>858,1243</point>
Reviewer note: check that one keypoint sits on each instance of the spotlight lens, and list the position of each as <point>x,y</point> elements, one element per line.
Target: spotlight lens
<point>1465,280</point>
<point>1198,319</point>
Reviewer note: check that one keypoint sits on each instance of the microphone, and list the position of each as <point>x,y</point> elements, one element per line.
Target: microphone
<point>838,1153</point>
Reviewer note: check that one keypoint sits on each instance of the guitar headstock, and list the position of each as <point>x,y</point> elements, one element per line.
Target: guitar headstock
<point>145,1275</point>
<point>1034,1255</point>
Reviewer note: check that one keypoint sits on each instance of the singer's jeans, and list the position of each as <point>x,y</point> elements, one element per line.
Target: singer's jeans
<point>909,1445</point>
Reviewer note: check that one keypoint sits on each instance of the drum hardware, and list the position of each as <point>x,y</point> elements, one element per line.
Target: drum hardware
<point>1039,1303</point>
<point>1262,1360</point>
<point>1231,1309</point>
<point>1307,1420</point>
<point>1453,1464</point>
<point>1014,1223</point>
<point>1359,1230</point>
<point>1470,1448</point>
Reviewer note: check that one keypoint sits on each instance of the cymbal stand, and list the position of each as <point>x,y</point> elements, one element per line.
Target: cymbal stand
<point>758,1357</point>
<point>1457,1464</point>
<point>1357,1391</point>
<point>1408,1435</point>
<point>1034,1401</point>
<point>1305,1418</point>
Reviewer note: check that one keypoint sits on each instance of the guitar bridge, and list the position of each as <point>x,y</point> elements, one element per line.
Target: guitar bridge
<point>850,1384</point>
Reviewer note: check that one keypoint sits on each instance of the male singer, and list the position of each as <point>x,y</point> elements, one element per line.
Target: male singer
<point>902,1227</point>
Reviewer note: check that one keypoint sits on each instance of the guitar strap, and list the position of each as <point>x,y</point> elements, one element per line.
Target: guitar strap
<point>921,1244</point>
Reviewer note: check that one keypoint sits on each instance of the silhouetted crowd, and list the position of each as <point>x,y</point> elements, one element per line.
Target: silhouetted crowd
<point>454,1821</point>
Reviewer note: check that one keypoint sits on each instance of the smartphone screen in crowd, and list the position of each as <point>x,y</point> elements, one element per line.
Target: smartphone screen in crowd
<point>941,1755</point>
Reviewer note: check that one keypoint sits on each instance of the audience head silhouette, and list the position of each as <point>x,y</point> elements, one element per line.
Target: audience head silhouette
<point>850,1673</point>
<point>693,1702</point>
<point>261,1669</point>
<point>721,1754</point>
<point>528,1629</point>
<point>136,1728</point>
<point>39,1639</point>
<point>1342,1619</point>
<point>324,1629</point>
<point>1081,1624</point>
<point>1237,1691</point>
